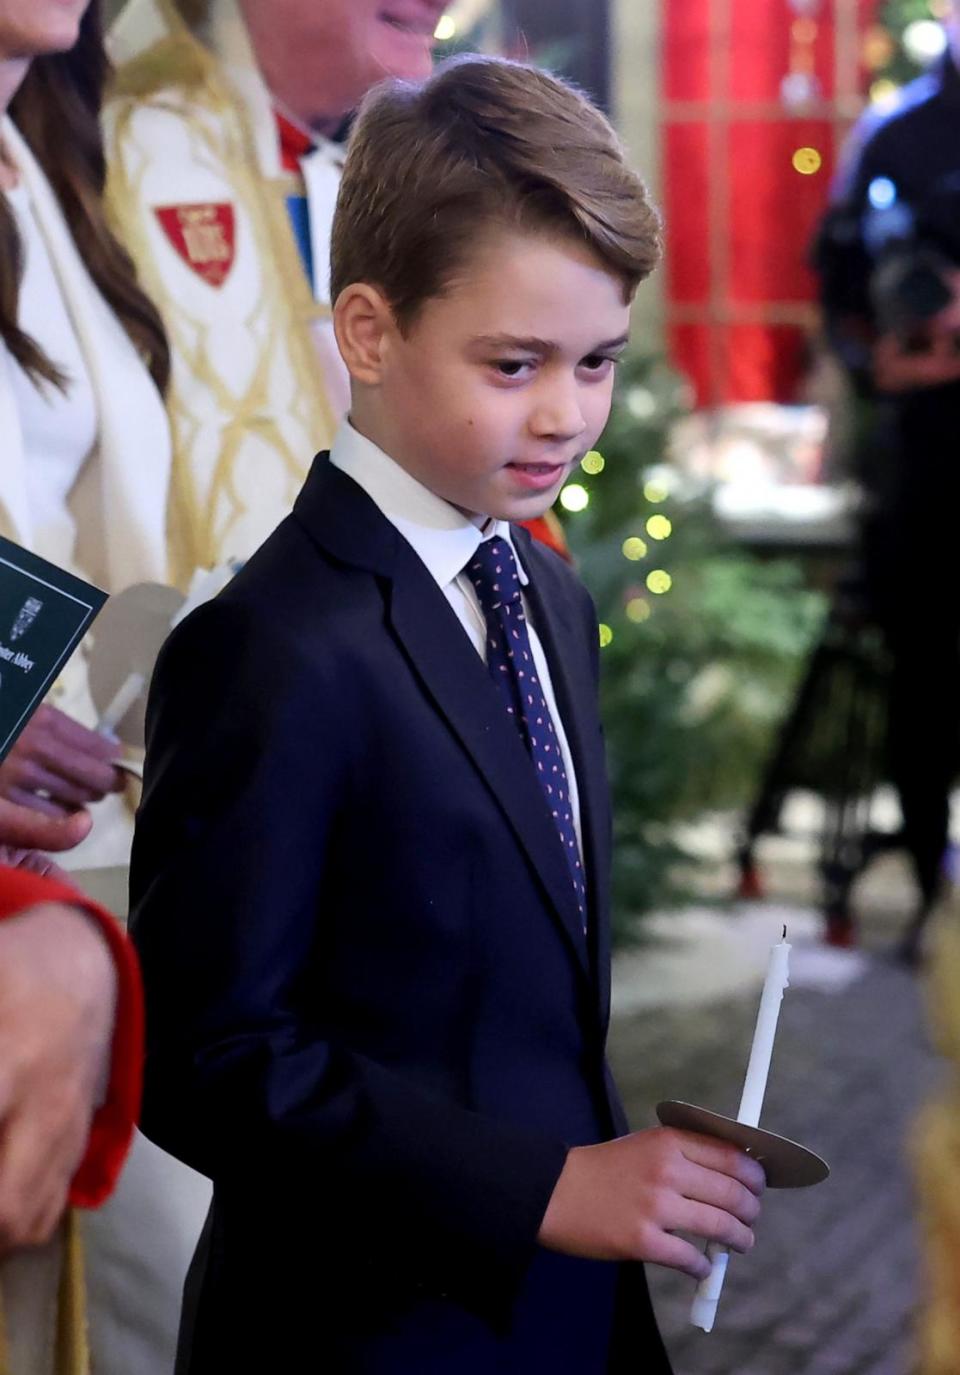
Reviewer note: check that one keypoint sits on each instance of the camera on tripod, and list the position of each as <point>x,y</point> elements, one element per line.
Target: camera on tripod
<point>908,255</point>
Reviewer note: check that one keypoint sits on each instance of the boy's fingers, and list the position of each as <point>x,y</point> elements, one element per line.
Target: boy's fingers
<point>679,1255</point>
<point>713,1224</point>
<point>721,1191</point>
<point>725,1159</point>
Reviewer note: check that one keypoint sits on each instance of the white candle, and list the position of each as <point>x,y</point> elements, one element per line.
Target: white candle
<point>205,584</point>
<point>758,1067</point>
<point>705,1301</point>
<point>121,702</point>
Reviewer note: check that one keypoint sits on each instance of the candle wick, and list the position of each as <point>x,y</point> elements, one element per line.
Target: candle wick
<point>784,936</point>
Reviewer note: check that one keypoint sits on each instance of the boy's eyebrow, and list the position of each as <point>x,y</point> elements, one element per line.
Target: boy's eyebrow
<point>620,342</point>
<point>532,344</point>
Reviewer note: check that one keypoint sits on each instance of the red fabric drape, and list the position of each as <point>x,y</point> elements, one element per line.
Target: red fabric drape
<point>739,216</point>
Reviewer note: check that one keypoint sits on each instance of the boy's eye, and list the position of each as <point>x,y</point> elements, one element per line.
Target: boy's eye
<point>598,362</point>
<point>511,367</point>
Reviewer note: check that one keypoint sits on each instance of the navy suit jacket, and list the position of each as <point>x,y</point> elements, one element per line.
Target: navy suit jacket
<point>373,1019</point>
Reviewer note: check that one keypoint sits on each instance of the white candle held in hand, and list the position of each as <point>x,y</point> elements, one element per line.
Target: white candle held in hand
<point>704,1309</point>
<point>121,702</point>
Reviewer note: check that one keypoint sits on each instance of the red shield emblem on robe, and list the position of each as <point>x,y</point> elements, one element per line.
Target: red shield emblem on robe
<point>203,235</point>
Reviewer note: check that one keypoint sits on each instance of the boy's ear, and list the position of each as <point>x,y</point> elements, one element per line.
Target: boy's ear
<point>362,321</point>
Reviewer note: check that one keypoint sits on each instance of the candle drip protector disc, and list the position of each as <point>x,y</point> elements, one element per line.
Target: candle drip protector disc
<point>787,1164</point>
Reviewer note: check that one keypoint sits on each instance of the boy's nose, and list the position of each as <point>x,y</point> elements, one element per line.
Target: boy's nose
<point>558,415</point>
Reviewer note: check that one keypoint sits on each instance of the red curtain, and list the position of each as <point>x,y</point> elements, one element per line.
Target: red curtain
<point>740,217</point>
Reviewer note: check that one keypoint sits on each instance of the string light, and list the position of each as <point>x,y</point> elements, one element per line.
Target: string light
<point>606,635</point>
<point>634,549</point>
<point>641,403</point>
<point>877,48</point>
<point>925,40</point>
<point>593,462</point>
<point>807,161</point>
<point>574,497</point>
<point>883,92</point>
<point>446,28</point>
<point>638,610</point>
<point>655,492</point>
<point>659,527</point>
<point>659,582</point>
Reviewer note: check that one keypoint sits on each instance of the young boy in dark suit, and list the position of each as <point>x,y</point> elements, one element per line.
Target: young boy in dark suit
<point>370,874</point>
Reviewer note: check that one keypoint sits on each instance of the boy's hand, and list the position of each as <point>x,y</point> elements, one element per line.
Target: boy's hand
<point>625,1199</point>
<point>58,766</point>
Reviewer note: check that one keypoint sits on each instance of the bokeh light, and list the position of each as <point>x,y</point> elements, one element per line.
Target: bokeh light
<point>807,161</point>
<point>925,40</point>
<point>659,527</point>
<point>883,91</point>
<point>659,582</point>
<point>574,497</point>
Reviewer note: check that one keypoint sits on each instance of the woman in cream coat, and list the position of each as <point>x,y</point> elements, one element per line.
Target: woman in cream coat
<point>85,442</point>
<point>84,476</point>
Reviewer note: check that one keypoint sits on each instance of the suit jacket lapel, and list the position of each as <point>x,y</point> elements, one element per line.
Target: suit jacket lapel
<point>450,670</point>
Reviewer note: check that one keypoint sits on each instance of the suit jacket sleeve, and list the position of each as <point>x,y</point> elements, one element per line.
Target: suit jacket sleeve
<point>114,1121</point>
<point>249,764</point>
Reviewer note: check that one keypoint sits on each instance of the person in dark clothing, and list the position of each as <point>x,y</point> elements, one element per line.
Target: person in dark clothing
<point>889,262</point>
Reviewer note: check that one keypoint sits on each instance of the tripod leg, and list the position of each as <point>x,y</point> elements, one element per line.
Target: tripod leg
<point>764,815</point>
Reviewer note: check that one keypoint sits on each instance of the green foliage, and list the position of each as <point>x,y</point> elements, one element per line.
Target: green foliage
<point>895,16</point>
<point>695,679</point>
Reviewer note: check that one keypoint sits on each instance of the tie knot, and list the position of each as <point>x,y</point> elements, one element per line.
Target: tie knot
<point>493,572</point>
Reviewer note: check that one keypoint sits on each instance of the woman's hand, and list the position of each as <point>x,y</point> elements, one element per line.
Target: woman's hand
<point>57,999</point>
<point>23,830</point>
<point>58,766</point>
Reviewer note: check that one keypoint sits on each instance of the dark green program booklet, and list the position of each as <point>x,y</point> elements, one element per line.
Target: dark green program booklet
<point>44,614</point>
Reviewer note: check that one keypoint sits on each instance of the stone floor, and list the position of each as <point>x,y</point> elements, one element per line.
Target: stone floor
<point>833,1283</point>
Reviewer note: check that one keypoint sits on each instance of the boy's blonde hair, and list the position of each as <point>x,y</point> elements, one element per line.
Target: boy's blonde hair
<point>484,143</point>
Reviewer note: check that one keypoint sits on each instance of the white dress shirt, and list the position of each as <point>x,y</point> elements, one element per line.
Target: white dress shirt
<point>445,540</point>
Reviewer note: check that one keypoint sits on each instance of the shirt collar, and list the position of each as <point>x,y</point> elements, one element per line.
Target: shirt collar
<point>443,537</point>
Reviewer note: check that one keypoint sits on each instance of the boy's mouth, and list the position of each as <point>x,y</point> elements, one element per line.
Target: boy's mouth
<point>538,476</point>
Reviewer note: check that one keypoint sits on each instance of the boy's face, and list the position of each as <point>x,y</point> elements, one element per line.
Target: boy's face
<point>504,383</point>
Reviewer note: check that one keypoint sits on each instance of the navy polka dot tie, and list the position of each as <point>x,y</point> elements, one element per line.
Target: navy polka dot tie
<point>493,572</point>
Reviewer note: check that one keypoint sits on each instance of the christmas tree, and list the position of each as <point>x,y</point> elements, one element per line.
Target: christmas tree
<point>701,643</point>
<point>906,38</point>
